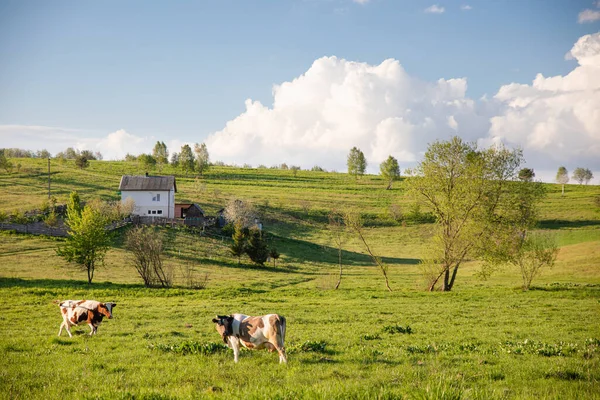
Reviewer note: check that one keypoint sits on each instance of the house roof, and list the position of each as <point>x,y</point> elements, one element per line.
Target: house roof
<point>147,183</point>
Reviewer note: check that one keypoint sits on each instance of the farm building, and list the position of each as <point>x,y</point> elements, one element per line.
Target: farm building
<point>192,214</point>
<point>154,196</point>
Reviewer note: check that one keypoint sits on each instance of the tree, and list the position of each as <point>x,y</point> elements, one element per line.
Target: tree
<point>87,241</point>
<point>562,177</point>
<point>82,161</point>
<point>4,162</point>
<point>526,174</point>
<point>89,154</point>
<point>146,246</point>
<point>588,176</point>
<point>175,159</point>
<point>239,241</point>
<point>160,153</point>
<point>148,162</point>
<point>354,221</point>
<point>357,163</point>
<point>534,254</point>
<point>581,175</point>
<point>390,171</point>
<point>43,154</point>
<point>186,159</point>
<point>256,247</point>
<point>274,254</point>
<point>202,158</point>
<point>338,234</point>
<point>240,211</point>
<point>475,199</point>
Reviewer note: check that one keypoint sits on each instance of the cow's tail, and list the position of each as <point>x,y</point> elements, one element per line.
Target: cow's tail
<point>281,328</point>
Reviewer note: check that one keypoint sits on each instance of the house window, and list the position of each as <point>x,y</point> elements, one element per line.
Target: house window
<point>149,212</point>
<point>153,211</point>
<point>159,212</point>
<point>156,198</point>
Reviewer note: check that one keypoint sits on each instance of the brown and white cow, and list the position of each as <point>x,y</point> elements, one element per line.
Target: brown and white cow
<point>263,332</point>
<point>91,312</point>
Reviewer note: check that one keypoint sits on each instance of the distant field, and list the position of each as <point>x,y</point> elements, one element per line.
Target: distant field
<point>484,340</point>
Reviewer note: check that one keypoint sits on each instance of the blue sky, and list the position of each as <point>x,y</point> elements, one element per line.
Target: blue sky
<point>181,70</point>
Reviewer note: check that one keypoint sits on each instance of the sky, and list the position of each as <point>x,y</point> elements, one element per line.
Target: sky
<point>302,82</point>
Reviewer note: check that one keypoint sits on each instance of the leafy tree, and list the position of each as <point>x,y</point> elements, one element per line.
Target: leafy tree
<point>239,241</point>
<point>148,162</point>
<point>87,241</point>
<point>146,246</point>
<point>74,207</point>
<point>256,247</point>
<point>533,254</point>
<point>130,157</point>
<point>294,169</point>
<point>202,158</point>
<point>390,171</point>
<point>175,159</point>
<point>160,153</point>
<point>588,176</point>
<point>4,162</point>
<point>357,163</point>
<point>475,200</point>
<point>82,161</point>
<point>526,174</point>
<point>70,153</point>
<point>562,177</point>
<point>316,168</point>
<point>43,154</point>
<point>89,154</point>
<point>581,175</point>
<point>186,159</point>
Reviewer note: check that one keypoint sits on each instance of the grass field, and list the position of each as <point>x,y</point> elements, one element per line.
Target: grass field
<point>484,340</point>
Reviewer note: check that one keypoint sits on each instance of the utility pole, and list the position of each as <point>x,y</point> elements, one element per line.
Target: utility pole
<point>48,178</point>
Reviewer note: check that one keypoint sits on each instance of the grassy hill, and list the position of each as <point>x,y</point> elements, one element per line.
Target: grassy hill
<point>486,339</point>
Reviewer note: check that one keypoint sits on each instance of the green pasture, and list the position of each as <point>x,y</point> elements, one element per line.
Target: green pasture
<point>484,340</point>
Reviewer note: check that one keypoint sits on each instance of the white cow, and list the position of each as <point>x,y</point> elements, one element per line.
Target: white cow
<point>75,312</point>
<point>263,332</point>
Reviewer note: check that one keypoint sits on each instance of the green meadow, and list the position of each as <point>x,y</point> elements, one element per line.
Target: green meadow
<point>486,339</point>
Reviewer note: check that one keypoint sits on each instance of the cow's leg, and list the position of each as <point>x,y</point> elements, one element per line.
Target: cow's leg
<point>61,328</point>
<point>282,355</point>
<point>234,343</point>
<point>68,328</point>
<point>93,329</point>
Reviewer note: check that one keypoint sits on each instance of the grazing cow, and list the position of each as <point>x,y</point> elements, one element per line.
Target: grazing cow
<point>264,332</point>
<point>75,312</point>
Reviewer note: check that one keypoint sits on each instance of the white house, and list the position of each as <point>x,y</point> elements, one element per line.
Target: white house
<point>154,196</point>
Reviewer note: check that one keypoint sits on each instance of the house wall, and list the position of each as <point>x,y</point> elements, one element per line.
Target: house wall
<point>144,203</point>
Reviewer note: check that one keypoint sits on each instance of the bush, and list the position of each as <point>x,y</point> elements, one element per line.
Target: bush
<point>146,247</point>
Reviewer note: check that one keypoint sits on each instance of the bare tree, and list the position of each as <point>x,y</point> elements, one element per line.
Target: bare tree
<point>338,234</point>
<point>146,247</point>
<point>354,222</point>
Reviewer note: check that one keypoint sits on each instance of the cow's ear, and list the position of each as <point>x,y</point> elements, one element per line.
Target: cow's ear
<point>113,304</point>
<point>216,321</point>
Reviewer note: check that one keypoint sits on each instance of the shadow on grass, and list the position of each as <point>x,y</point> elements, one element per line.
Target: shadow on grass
<point>560,223</point>
<point>64,284</point>
<point>302,251</point>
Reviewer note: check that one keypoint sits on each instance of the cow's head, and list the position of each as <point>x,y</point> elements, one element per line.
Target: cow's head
<point>224,326</point>
<point>106,309</point>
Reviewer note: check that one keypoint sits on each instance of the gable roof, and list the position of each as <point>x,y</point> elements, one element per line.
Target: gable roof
<point>145,183</point>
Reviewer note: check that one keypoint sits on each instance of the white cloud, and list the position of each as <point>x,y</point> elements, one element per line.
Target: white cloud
<point>466,7</point>
<point>435,9</point>
<point>555,119</point>
<point>113,146</point>
<point>337,104</point>
<point>587,16</point>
